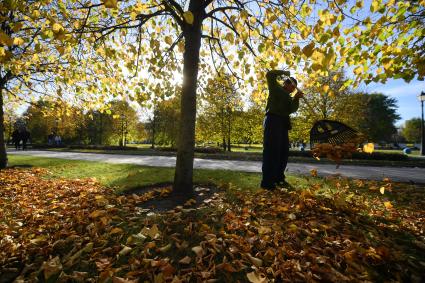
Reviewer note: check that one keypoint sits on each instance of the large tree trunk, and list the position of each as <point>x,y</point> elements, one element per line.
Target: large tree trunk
<point>186,140</point>
<point>3,154</point>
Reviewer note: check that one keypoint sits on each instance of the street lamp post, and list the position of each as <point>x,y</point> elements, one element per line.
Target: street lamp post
<point>422,99</point>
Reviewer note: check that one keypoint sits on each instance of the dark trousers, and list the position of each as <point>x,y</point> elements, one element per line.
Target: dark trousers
<point>275,150</point>
<point>17,144</point>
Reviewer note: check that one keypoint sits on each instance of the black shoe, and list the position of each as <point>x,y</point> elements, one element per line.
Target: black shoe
<point>284,185</point>
<point>267,187</point>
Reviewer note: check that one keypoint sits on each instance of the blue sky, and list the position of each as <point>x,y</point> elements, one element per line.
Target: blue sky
<point>405,93</point>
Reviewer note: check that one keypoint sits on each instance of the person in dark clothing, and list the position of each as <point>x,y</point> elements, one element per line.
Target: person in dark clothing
<point>280,104</point>
<point>50,138</point>
<point>16,138</point>
<point>25,136</point>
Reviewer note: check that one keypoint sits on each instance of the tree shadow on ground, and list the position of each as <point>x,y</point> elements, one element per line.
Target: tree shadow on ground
<point>164,199</point>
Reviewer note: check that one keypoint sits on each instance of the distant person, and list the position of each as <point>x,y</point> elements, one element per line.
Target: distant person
<point>25,136</point>
<point>58,140</point>
<point>280,104</point>
<point>51,138</point>
<point>16,138</point>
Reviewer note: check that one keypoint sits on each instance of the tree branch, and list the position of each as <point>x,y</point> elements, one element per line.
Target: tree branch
<point>169,5</point>
<point>221,9</point>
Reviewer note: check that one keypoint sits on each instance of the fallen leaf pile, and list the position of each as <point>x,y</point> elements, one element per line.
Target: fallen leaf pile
<point>75,230</point>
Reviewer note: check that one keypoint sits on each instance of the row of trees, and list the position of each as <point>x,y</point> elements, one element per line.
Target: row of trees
<point>117,126</point>
<point>411,130</point>
<point>226,116</point>
<point>222,121</point>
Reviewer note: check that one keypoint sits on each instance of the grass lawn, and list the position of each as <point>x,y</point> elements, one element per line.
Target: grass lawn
<point>127,176</point>
<point>59,224</point>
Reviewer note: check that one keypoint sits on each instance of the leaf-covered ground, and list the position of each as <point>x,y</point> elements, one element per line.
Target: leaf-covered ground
<point>59,230</point>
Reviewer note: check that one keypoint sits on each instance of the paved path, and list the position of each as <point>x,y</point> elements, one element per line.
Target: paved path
<point>401,174</point>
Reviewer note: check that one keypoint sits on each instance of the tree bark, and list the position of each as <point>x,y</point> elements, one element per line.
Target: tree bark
<point>153,128</point>
<point>3,154</point>
<point>229,149</point>
<point>183,178</point>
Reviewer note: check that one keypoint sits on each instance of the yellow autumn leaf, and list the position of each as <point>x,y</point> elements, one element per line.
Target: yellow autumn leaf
<point>198,250</point>
<point>165,248</point>
<point>244,14</point>
<point>229,37</point>
<point>97,213</point>
<point>116,230</point>
<point>36,14</point>
<point>369,147</point>
<point>5,39</point>
<point>308,49</point>
<point>151,232</point>
<point>382,190</point>
<point>328,58</point>
<point>325,88</point>
<point>188,17</point>
<point>17,27</point>
<point>254,260</point>
<point>57,28</point>
<point>185,260</point>
<point>180,46</point>
<point>255,277</point>
<point>18,41</point>
<point>124,251</point>
<point>51,267</point>
<point>60,49</point>
<point>264,230</point>
<point>317,57</point>
<point>374,6</point>
<point>388,205</point>
<point>190,202</point>
<point>358,70</point>
<point>293,227</point>
<point>168,40</point>
<point>110,4</point>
